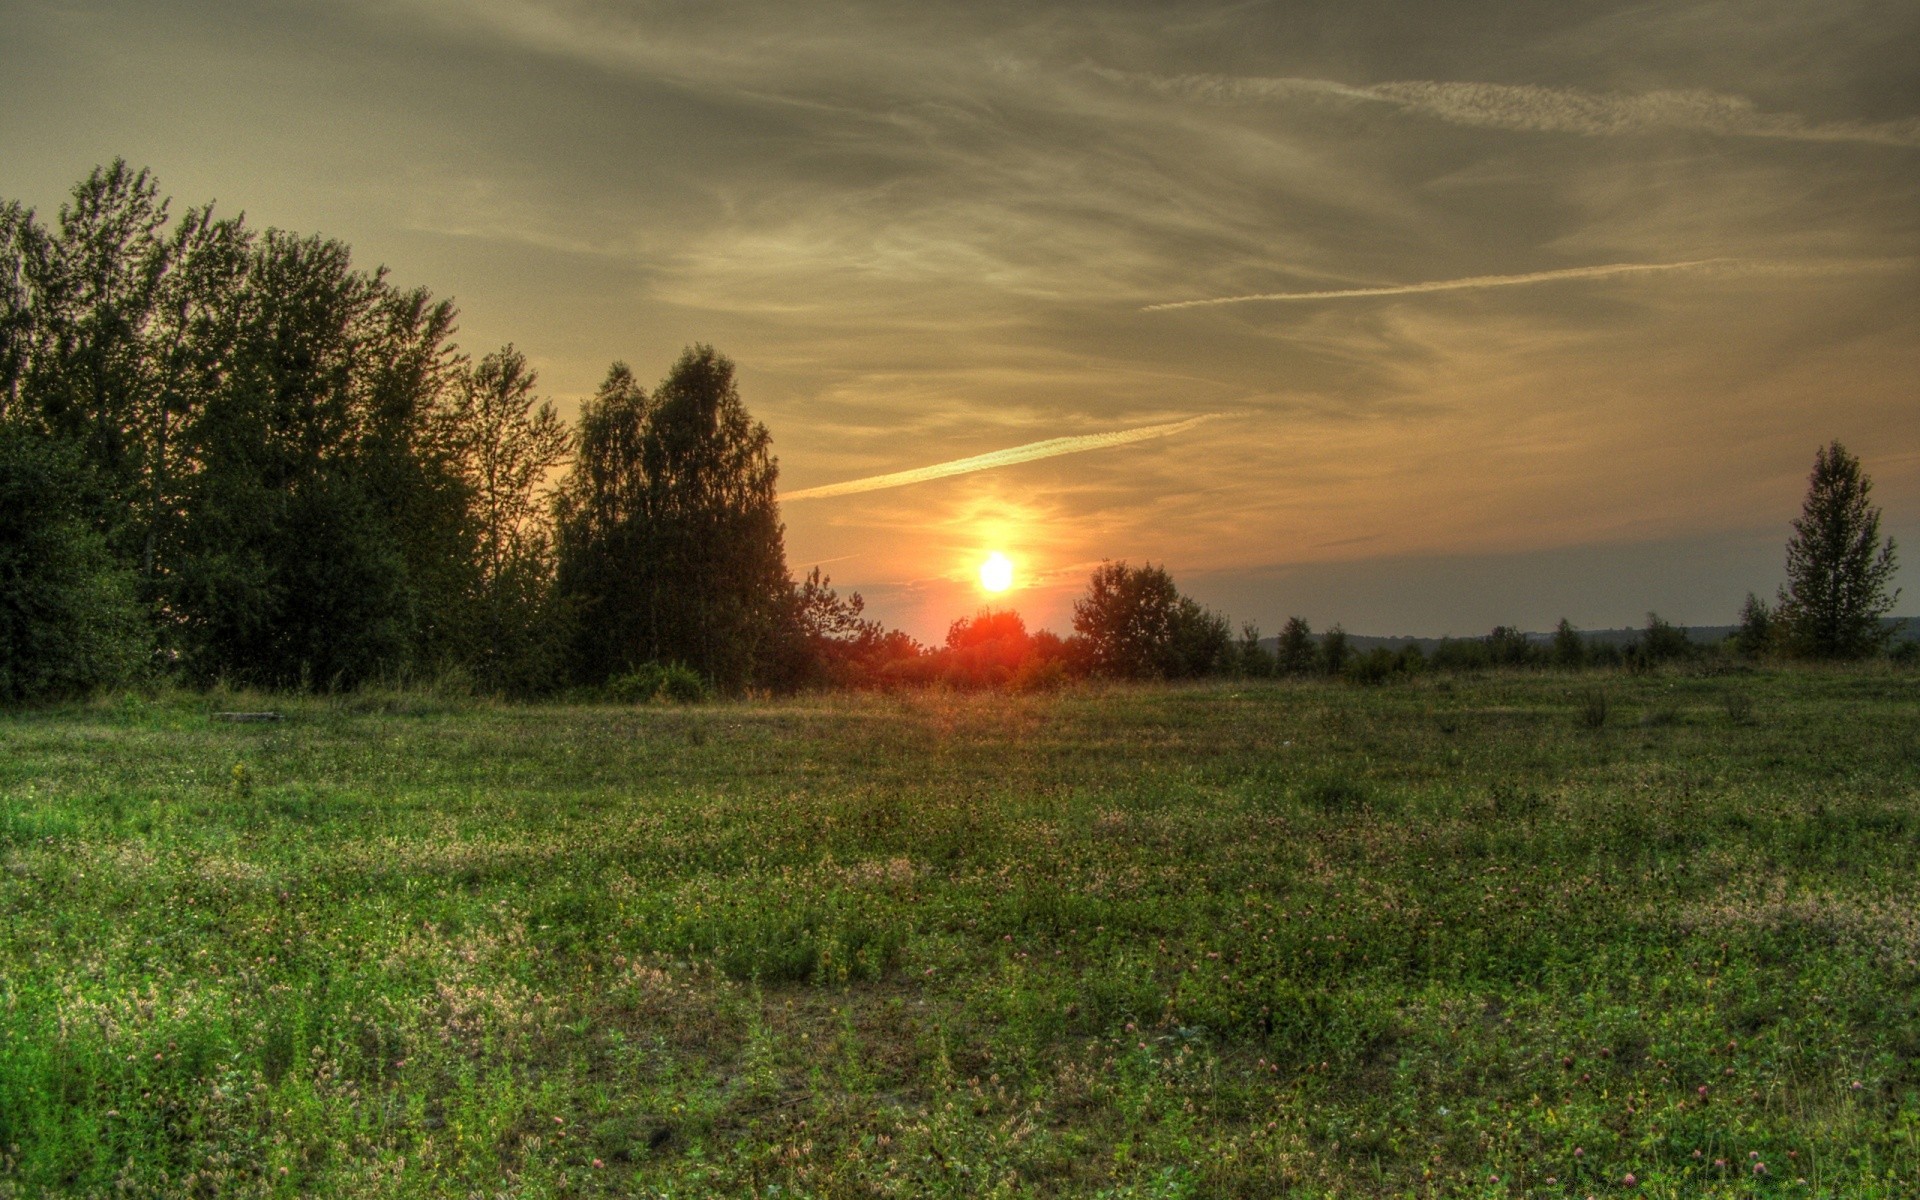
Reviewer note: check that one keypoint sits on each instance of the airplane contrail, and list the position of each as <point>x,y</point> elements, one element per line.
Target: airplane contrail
<point>1453,285</point>
<point>1051,448</point>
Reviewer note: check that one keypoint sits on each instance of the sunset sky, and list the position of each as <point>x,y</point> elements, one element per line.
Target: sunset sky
<point>1419,318</point>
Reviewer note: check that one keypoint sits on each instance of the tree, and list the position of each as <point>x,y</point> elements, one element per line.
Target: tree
<point>1335,650</point>
<point>1569,648</point>
<point>670,540</point>
<point>1295,652</point>
<point>1137,625</point>
<point>1253,659</point>
<point>68,617</point>
<point>505,442</point>
<point>1662,641</point>
<point>1838,568</point>
<point>1754,637</point>
<point>600,527</point>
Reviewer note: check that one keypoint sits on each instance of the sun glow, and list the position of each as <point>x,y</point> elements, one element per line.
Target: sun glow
<point>996,574</point>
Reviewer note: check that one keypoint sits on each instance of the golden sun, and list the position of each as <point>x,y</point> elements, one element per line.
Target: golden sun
<point>996,574</point>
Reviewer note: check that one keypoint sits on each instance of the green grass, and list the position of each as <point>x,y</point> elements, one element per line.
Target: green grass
<point>1225,940</point>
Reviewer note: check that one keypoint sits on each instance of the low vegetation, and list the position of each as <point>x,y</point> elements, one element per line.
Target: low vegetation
<point>1518,933</point>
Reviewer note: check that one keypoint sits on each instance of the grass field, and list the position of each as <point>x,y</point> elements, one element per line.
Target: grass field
<point>1441,938</point>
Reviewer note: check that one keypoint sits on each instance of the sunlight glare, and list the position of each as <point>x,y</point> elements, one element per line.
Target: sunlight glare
<point>996,574</point>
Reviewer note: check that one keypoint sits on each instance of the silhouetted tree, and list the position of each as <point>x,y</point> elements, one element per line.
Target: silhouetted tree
<point>1755,634</point>
<point>1254,661</point>
<point>1507,646</point>
<point>1137,625</point>
<point>670,538</point>
<point>1569,648</point>
<point>505,442</point>
<point>1295,652</point>
<point>1335,651</point>
<point>1838,568</point>
<point>1661,641</point>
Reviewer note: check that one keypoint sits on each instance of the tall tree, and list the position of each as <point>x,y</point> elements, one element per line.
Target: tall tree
<point>721,598</point>
<point>601,526</point>
<point>1296,651</point>
<point>670,543</point>
<point>1838,567</point>
<point>506,442</point>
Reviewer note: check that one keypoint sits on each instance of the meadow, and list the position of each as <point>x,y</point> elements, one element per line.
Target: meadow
<point>1513,935</point>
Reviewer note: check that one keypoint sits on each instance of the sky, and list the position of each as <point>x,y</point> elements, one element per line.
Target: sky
<point>1416,318</point>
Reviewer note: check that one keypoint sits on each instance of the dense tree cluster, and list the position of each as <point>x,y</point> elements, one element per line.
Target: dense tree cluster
<point>228,454</point>
<point>231,454</point>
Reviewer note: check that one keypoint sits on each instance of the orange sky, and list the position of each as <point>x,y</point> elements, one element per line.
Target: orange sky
<point>928,232</point>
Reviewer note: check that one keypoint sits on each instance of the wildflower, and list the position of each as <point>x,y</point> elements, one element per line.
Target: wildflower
<point>1702,1091</point>
<point>1628,1179</point>
<point>598,1163</point>
<point>1579,1153</point>
<point>1759,1168</point>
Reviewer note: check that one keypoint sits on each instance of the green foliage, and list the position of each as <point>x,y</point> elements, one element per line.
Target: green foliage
<point>69,621</point>
<point>1661,642</point>
<point>1335,651</point>
<point>1295,651</point>
<point>670,543</point>
<point>1838,567</point>
<point>1137,625</point>
<point>656,683</point>
<point>1251,658</point>
<point>1507,646</point>
<point>1756,633</point>
<point>1569,648</point>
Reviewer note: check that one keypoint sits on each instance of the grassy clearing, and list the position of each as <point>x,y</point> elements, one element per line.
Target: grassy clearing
<point>1459,937</point>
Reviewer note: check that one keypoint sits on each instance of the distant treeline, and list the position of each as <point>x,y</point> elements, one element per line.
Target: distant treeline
<point>228,455</point>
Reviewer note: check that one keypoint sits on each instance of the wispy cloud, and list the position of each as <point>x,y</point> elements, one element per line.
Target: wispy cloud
<point>1531,108</point>
<point>1051,448</point>
<point>1453,285</point>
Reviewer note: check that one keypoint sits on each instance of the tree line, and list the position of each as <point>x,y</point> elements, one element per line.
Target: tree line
<point>228,454</point>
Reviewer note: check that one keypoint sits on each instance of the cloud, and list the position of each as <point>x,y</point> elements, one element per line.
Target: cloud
<point>1531,108</point>
<point>1051,448</point>
<point>1454,285</point>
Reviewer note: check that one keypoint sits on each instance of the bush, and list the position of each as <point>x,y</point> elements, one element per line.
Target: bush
<point>1593,708</point>
<point>657,684</point>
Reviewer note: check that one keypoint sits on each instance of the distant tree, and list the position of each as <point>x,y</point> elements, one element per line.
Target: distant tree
<point>1295,652</point>
<point>1137,625</point>
<point>1661,641</point>
<point>1755,634</point>
<point>1507,646</point>
<point>1838,568</point>
<point>1569,648</point>
<point>1253,660</point>
<point>1335,650</point>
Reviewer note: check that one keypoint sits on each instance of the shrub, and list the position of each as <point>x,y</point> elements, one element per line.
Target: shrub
<point>654,683</point>
<point>1593,708</point>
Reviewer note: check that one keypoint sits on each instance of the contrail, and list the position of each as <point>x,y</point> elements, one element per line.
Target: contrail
<point>1529,108</point>
<point>1453,285</point>
<point>1051,448</point>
